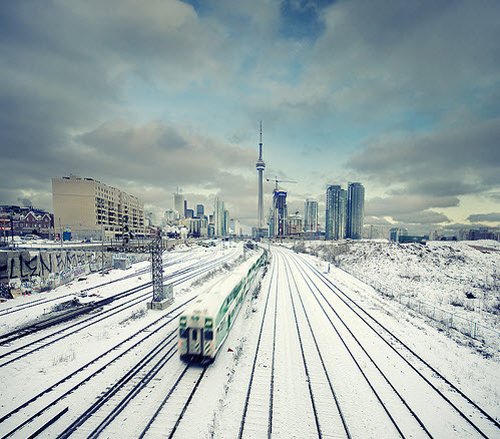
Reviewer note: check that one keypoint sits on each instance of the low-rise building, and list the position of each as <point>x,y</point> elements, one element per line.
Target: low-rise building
<point>22,221</point>
<point>91,209</point>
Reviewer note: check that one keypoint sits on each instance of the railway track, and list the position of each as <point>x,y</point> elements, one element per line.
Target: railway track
<point>126,346</point>
<point>72,387</point>
<point>130,384</point>
<point>370,380</point>
<point>257,416</point>
<point>44,301</point>
<point>17,334</point>
<point>375,353</point>
<point>47,340</point>
<point>104,410</point>
<point>170,412</point>
<point>329,418</point>
<point>351,377</point>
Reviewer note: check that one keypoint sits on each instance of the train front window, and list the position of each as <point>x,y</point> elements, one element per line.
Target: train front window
<point>209,335</point>
<point>183,333</point>
<point>195,334</point>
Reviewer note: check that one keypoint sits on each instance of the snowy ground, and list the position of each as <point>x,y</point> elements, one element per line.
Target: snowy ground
<point>462,278</point>
<point>285,367</point>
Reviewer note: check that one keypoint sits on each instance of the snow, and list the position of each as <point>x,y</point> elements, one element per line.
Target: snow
<point>450,278</point>
<point>289,289</point>
<point>208,303</point>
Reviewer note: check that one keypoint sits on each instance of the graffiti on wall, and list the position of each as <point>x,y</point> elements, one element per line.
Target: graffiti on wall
<point>34,271</point>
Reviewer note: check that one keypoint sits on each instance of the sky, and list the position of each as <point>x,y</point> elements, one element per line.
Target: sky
<point>149,96</point>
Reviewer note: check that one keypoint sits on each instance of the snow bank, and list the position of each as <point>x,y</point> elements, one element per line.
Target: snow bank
<point>460,277</point>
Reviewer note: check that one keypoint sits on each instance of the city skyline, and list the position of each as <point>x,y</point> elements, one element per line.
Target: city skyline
<point>402,98</point>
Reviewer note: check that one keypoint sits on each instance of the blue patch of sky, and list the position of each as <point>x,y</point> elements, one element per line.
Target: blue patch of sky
<point>200,6</point>
<point>301,19</point>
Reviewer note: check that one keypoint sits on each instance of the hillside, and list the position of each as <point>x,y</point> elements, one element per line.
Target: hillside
<point>462,278</point>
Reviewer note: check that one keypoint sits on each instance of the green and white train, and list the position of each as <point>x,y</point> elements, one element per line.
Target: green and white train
<point>205,324</point>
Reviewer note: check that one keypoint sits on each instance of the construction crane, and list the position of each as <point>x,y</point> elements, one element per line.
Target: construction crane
<point>276,181</point>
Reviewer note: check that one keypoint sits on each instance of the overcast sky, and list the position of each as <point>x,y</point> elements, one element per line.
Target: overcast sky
<point>150,95</point>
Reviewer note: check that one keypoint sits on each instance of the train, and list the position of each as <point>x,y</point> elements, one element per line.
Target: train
<point>205,324</point>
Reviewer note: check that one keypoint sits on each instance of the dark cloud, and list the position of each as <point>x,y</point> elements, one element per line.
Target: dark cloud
<point>439,186</point>
<point>65,71</point>
<point>422,217</point>
<point>390,62</point>
<point>495,196</point>
<point>70,71</point>
<point>430,170</point>
<point>160,155</point>
<point>376,221</point>
<point>488,217</point>
<point>465,151</point>
<point>398,205</point>
<point>386,55</point>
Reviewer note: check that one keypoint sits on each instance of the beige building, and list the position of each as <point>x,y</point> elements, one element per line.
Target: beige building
<point>89,208</point>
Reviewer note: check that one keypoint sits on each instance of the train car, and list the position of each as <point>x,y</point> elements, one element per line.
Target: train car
<point>205,324</point>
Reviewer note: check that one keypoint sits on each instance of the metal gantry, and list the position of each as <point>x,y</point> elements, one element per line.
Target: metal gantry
<point>157,268</point>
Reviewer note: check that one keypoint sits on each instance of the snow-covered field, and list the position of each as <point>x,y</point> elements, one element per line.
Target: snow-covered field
<point>301,361</point>
<point>462,278</point>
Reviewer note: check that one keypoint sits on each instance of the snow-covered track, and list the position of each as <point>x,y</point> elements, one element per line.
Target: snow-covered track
<point>175,404</point>
<point>372,382</point>
<point>328,416</point>
<point>39,410</point>
<point>148,426</point>
<point>32,304</point>
<point>71,314</point>
<point>177,277</point>
<point>123,348</point>
<point>48,340</point>
<point>107,406</point>
<point>44,301</point>
<point>409,376</point>
<point>256,420</point>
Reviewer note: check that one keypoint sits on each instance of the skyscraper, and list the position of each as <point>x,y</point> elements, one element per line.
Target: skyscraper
<point>226,223</point>
<point>200,210</point>
<point>279,214</point>
<point>343,214</point>
<point>235,226</point>
<point>335,212</point>
<point>260,166</point>
<point>179,203</point>
<point>355,210</point>
<point>219,217</point>
<point>310,216</point>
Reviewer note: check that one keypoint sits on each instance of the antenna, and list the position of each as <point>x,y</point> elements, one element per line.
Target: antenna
<point>260,142</point>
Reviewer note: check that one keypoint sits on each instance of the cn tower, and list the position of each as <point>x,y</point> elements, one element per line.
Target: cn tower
<point>260,165</point>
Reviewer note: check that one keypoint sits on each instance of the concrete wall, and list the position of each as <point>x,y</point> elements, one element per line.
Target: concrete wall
<point>37,271</point>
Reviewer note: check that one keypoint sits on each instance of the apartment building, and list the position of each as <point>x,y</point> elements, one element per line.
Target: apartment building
<point>90,209</point>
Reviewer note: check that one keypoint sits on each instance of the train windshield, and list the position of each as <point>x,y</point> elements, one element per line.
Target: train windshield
<point>209,335</point>
<point>183,333</point>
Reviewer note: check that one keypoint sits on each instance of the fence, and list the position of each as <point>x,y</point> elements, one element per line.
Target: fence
<point>467,327</point>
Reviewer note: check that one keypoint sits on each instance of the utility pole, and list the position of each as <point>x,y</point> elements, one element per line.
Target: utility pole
<point>162,294</point>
